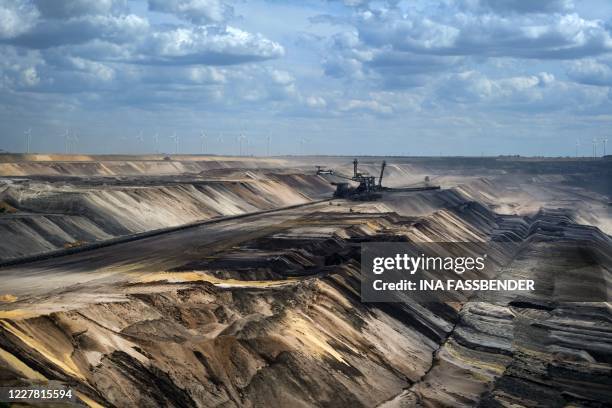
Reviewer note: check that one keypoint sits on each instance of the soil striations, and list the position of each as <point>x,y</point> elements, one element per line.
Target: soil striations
<point>266,310</point>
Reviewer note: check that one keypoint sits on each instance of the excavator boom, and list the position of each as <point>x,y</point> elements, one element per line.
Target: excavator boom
<point>382,172</point>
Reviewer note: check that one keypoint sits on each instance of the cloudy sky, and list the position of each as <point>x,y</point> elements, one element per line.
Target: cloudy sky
<point>449,77</point>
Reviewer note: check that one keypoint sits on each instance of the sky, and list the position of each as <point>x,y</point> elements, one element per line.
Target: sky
<point>447,77</point>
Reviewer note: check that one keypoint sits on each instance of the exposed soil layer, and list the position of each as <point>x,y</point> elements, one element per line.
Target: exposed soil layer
<point>48,215</point>
<point>266,311</point>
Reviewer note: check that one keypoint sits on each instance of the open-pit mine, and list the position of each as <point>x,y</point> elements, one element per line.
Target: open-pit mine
<point>208,281</point>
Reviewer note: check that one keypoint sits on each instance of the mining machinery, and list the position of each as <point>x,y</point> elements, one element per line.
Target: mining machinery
<point>368,189</point>
<point>322,170</point>
<point>382,171</point>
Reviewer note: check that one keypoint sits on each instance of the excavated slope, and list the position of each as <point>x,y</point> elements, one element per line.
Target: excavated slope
<point>45,217</point>
<point>278,321</point>
<point>105,166</point>
<point>274,318</point>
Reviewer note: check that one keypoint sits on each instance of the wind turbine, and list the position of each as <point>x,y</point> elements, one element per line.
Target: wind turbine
<point>67,140</point>
<point>302,142</point>
<point>604,142</point>
<point>577,146</point>
<point>220,139</point>
<point>74,139</point>
<point>594,147</point>
<point>176,142</point>
<point>269,143</point>
<point>28,134</point>
<point>62,135</point>
<point>156,142</point>
<point>203,139</point>
<point>140,137</point>
<point>241,139</point>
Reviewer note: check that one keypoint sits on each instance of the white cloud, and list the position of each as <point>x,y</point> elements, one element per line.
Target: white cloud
<point>316,102</point>
<point>29,77</point>
<point>465,64</point>
<point>75,8</point>
<point>591,72</point>
<point>488,35</point>
<point>98,70</point>
<point>206,45</point>
<point>474,86</point>
<point>16,19</point>
<point>200,74</point>
<point>197,11</point>
<point>521,6</point>
<point>282,77</point>
<point>536,93</point>
<point>365,105</point>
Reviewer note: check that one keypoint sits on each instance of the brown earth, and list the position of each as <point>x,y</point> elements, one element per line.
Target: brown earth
<point>265,310</point>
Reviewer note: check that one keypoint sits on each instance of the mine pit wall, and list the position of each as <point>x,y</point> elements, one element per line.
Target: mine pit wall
<point>313,343</point>
<point>535,352</point>
<point>49,217</point>
<point>54,218</point>
<point>112,166</point>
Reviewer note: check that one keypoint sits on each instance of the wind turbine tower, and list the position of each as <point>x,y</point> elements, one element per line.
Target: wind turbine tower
<point>75,140</point>
<point>156,142</point>
<point>220,141</point>
<point>175,137</point>
<point>28,134</point>
<point>203,140</point>
<point>67,140</point>
<point>269,140</point>
<point>302,142</point>
<point>241,139</point>
<point>577,146</point>
<point>594,147</point>
<point>140,137</point>
<point>605,142</point>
